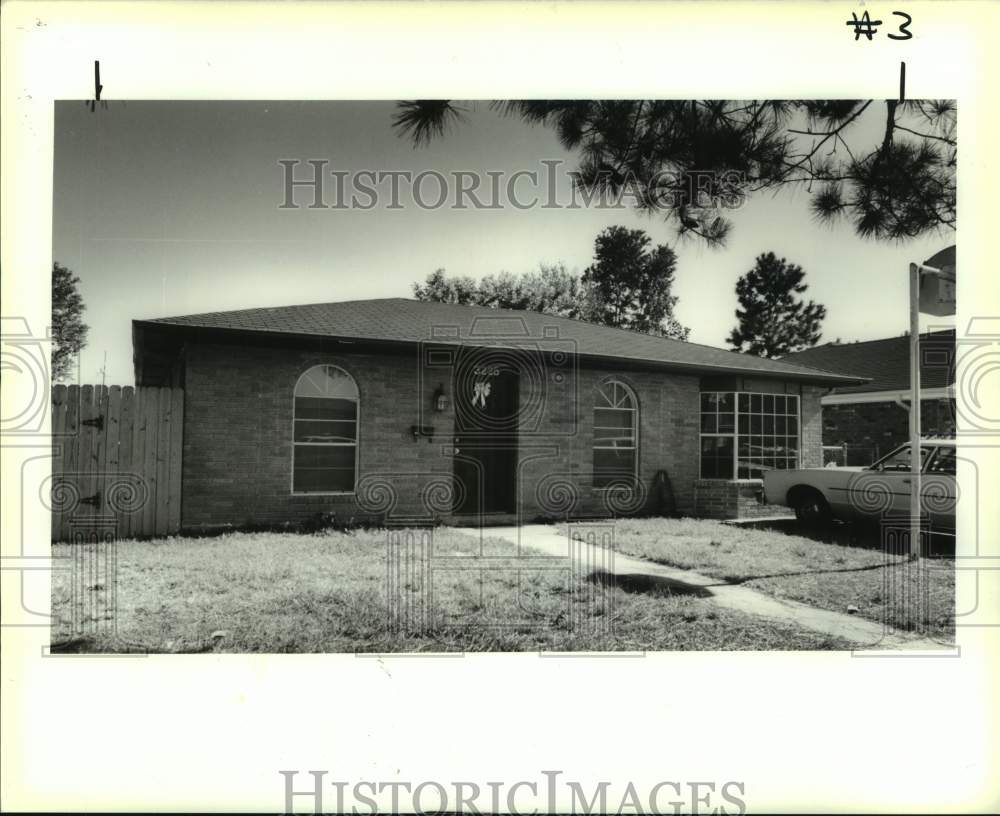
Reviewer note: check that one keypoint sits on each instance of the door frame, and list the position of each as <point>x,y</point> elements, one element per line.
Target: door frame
<point>480,441</point>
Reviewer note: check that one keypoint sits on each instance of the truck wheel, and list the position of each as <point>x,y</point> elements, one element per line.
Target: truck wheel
<point>811,508</point>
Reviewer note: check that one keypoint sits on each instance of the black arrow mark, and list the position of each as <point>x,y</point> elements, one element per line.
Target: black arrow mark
<point>98,87</point>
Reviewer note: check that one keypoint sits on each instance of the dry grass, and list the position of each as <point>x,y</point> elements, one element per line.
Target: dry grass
<point>268,592</point>
<point>829,576</point>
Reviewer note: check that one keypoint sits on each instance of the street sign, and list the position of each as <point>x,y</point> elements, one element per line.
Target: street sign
<point>937,284</point>
<point>932,291</point>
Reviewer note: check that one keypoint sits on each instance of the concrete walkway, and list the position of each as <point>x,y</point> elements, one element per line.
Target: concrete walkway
<point>639,573</point>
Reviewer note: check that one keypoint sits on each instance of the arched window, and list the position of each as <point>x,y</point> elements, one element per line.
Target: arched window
<point>616,433</point>
<point>325,438</point>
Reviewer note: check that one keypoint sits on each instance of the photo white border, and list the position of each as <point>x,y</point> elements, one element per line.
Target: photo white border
<point>801,730</point>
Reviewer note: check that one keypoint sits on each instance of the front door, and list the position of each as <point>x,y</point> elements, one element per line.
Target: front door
<point>486,411</point>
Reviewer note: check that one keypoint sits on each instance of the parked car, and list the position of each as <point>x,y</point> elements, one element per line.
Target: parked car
<point>869,493</point>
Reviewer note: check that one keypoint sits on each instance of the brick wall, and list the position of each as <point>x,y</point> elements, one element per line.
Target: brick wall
<point>811,410</point>
<point>556,480</point>
<point>238,440</point>
<point>718,499</point>
<point>872,429</point>
<point>238,437</point>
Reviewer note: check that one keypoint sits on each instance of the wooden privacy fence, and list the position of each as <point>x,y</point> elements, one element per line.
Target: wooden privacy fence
<point>116,460</point>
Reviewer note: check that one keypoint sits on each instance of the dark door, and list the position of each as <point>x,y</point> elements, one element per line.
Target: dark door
<point>486,414</point>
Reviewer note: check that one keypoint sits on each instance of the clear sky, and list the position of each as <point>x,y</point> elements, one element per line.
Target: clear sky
<point>168,208</point>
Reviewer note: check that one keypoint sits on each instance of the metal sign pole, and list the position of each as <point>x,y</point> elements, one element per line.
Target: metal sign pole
<point>915,458</point>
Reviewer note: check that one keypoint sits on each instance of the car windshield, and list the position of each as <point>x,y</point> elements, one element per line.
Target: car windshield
<point>899,460</point>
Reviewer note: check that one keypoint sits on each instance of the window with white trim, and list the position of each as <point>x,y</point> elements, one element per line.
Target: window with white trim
<point>743,434</point>
<point>616,434</point>
<point>325,432</point>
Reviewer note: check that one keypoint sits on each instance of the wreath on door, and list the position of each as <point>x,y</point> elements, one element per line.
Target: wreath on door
<point>480,391</point>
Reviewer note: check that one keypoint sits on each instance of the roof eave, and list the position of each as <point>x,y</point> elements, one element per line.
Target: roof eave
<point>804,374</point>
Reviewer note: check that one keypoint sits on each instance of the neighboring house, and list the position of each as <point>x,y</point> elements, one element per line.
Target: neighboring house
<point>868,421</point>
<point>404,411</point>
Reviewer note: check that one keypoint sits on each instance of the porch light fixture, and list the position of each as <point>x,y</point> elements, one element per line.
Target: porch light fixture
<point>440,399</point>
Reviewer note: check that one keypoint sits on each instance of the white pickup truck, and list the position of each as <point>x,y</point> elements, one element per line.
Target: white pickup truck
<point>852,493</point>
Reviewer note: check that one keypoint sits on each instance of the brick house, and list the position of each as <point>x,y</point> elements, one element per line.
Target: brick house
<point>869,420</point>
<point>399,410</point>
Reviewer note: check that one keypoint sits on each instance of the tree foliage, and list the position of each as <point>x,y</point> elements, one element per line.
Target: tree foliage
<point>551,289</point>
<point>773,320</point>
<point>695,160</point>
<point>628,286</point>
<point>69,332</point>
<point>440,288</point>
<point>631,283</point>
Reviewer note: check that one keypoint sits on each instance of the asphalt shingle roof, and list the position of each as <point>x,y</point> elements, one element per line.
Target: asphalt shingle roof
<point>885,362</point>
<point>412,321</point>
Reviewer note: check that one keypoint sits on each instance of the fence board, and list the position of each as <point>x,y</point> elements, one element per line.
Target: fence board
<point>150,404</point>
<point>100,437</point>
<point>58,449</point>
<point>139,459</point>
<point>125,466</point>
<point>164,418</point>
<point>112,423</point>
<point>121,448</point>
<point>176,461</point>
<point>71,447</point>
<point>87,478</point>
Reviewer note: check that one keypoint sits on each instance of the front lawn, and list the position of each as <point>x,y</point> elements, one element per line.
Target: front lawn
<point>829,576</point>
<point>271,592</point>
